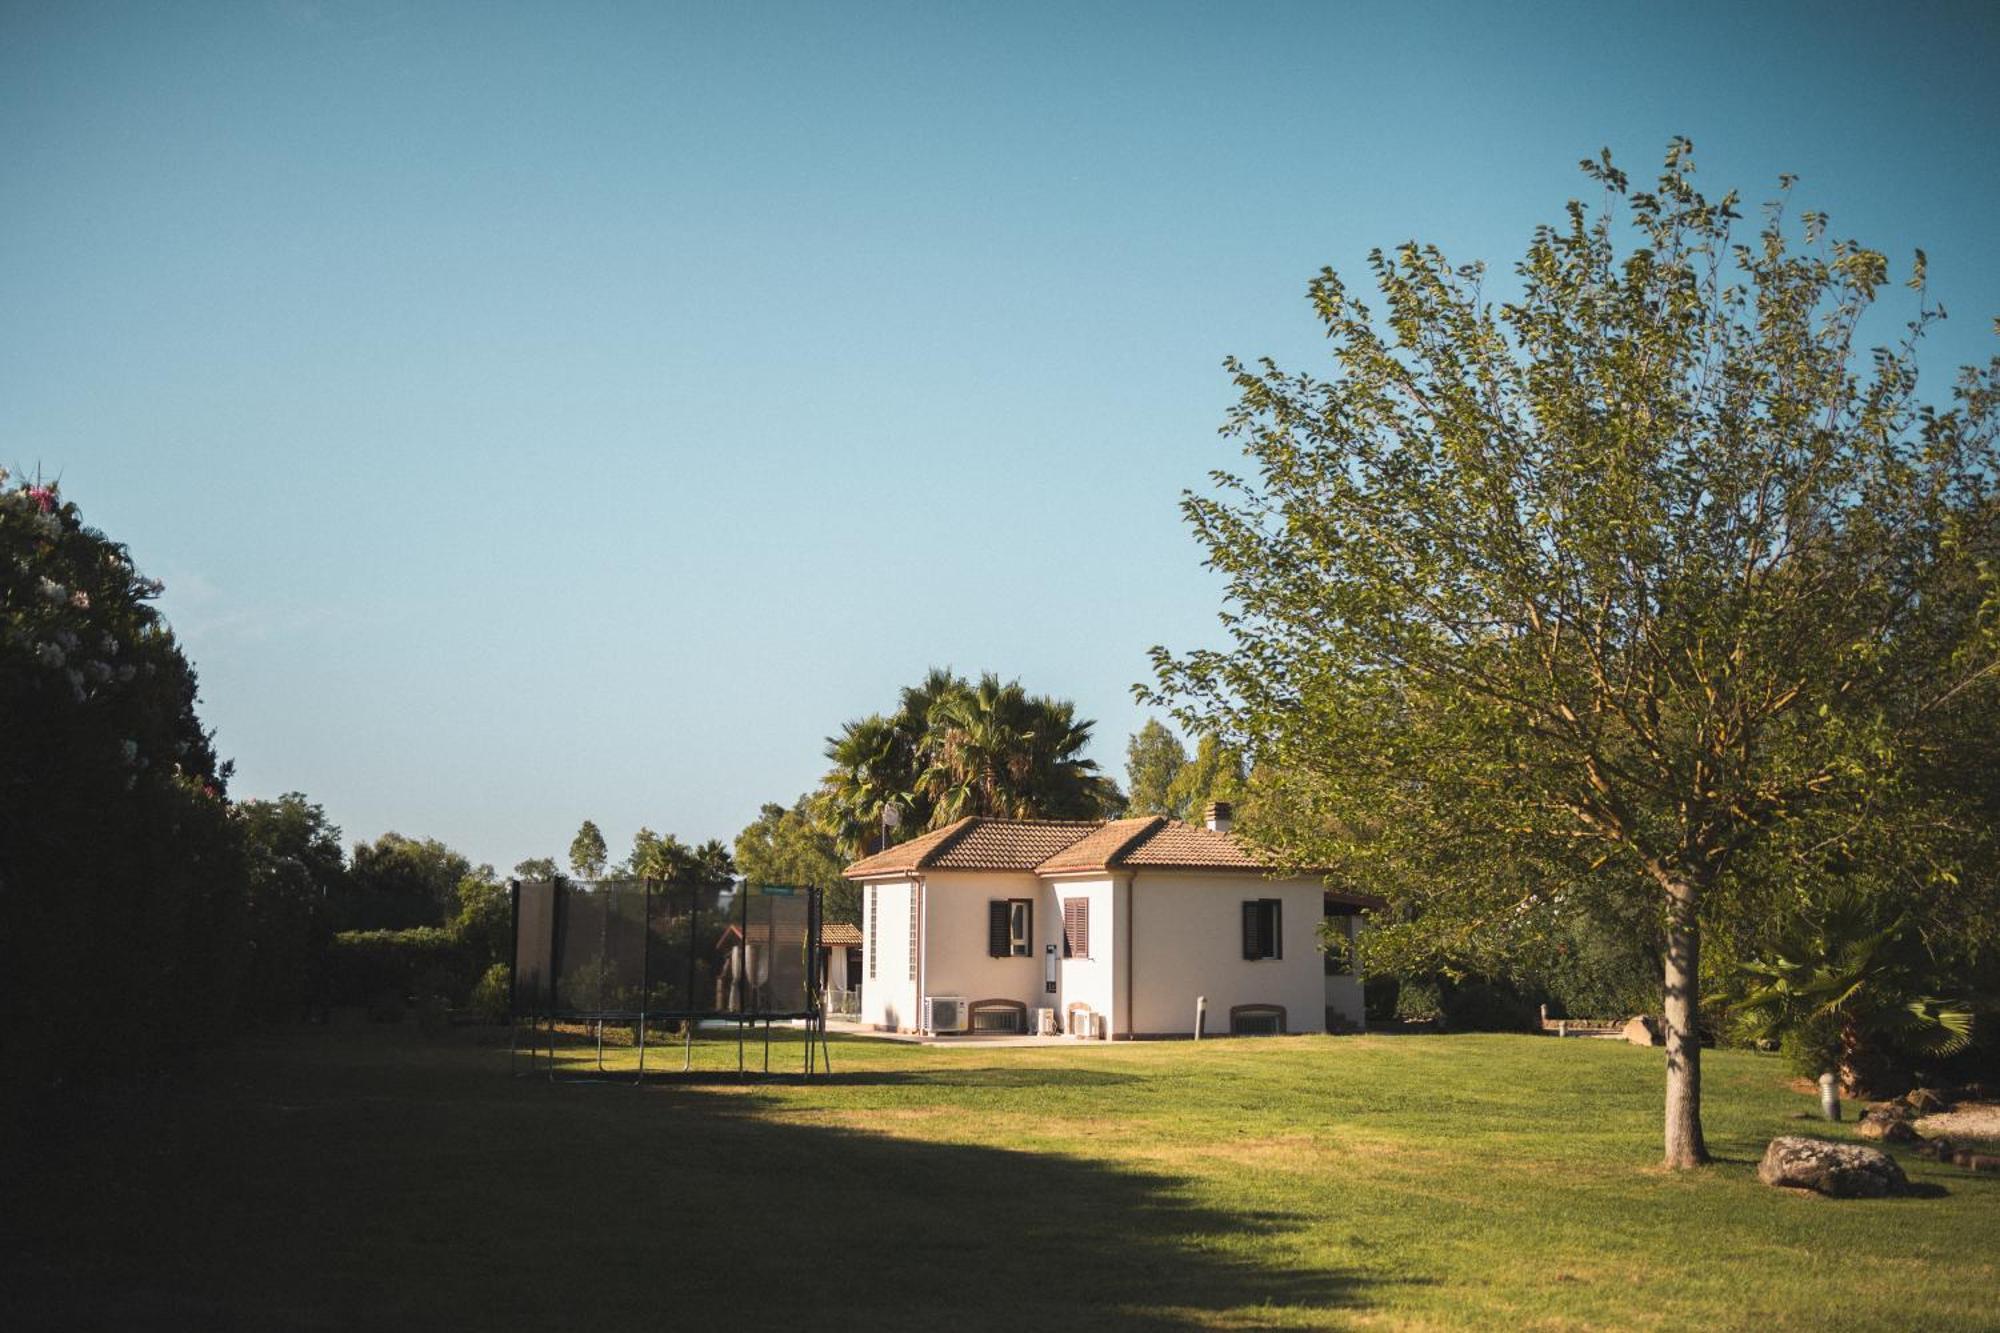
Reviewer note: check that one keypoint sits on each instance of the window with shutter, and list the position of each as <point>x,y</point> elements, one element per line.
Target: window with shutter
<point>1262,933</point>
<point>1076,928</point>
<point>999,929</point>
<point>1010,928</point>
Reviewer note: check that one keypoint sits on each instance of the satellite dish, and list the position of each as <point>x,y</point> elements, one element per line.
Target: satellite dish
<point>892,816</point>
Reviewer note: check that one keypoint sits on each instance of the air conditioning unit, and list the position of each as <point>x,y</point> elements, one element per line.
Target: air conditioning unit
<point>1086,1026</point>
<point>944,1015</point>
<point>1044,1023</point>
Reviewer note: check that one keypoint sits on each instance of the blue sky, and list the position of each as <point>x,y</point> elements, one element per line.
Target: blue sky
<point>550,411</point>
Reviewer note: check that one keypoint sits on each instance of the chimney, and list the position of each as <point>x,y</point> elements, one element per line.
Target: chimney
<point>1217,816</point>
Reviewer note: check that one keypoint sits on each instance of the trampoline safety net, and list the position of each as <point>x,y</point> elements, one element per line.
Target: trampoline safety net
<point>645,948</point>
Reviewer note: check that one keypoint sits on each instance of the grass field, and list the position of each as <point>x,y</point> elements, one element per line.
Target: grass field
<point>379,1178</point>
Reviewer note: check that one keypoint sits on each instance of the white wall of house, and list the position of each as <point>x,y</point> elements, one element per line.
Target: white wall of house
<point>957,959</point>
<point>1187,940</point>
<point>888,997</point>
<point>1093,980</point>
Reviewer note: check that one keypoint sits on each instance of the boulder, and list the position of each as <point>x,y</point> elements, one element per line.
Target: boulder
<point>1843,1170</point>
<point>1888,1128</point>
<point>1643,1030</point>
<point>1926,1101</point>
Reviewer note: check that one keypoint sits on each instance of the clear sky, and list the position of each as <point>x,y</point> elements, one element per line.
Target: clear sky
<point>562,410</point>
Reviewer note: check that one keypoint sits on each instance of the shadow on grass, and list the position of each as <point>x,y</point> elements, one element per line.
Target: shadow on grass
<point>326,1184</point>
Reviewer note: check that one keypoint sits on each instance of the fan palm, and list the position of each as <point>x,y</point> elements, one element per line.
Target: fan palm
<point>1846,980</point>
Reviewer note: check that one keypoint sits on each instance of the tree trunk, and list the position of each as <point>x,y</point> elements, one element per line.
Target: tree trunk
<point>1682,1023</point>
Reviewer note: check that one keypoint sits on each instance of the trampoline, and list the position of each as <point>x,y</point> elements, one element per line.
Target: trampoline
<point>634,953</point>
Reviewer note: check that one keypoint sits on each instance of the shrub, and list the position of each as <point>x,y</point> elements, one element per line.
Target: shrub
<point>366,965</point>
<point>1379,997</point>
<point>491,997</point>
<point>1486,1006</point>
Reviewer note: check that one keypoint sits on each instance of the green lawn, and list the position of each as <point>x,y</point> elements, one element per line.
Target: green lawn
<point>382,1179</point>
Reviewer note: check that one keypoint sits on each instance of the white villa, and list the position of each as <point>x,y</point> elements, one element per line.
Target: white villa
<point>1117,928</point>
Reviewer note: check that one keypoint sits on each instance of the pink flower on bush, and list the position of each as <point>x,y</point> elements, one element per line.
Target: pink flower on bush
<point>44,496</point>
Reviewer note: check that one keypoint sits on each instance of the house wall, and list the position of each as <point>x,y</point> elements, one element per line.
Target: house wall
<point>1187,940</point>
<point>1094,980</point>
<point>889,998</point>
<point>956,961</point>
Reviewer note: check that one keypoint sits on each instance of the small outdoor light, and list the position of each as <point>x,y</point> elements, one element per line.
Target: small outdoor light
<point>1200,1015</point>
<point>1829,1096</point>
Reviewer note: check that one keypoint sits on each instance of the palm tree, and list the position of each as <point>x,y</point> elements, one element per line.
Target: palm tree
<point>953,748</point>
<point>1847,983</point>
<point>872,769</point>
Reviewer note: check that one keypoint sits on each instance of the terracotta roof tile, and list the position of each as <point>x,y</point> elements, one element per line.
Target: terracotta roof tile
<point>1191,846</point>
<point>1055,846</point>
<point>905,855</point>
<point>1010,844</point>
<point>840,935</point>
<point>1100,848</point>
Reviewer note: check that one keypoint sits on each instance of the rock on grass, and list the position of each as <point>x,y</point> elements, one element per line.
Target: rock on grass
<point>1843,1170</point>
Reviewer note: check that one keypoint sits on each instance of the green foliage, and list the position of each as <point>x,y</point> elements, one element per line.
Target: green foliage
<point>484,922</point>
<point>953,748</point>
<point>664,856</point>
<point>1846,982</point>
<point>121,874</point>
<point>1599,600</point>
<point>395,883</point>
<point>537,867</point>
<point>1216,773</point>
<point>372,967</point>
<point>295,874</point>
<point>1154,757</point>
<point>493,993</point>
<point>785,846</point>
<point>587,852</point>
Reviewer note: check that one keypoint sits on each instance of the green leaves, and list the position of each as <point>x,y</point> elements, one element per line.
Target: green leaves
<point>1650,577</point>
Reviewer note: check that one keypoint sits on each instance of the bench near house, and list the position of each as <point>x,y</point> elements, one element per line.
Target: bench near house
<point>1114,926</point>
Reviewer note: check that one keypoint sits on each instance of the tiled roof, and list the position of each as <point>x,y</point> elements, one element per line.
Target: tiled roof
<point>1189,846</point>
<point>1009,844</point>
<point>1059,846</point>
<point>1101,847</point>
<point>840,935</point>
<point>905,855</point>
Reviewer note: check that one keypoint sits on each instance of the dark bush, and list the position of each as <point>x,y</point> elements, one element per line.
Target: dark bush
<point>367,965</point>
<point>1378,998</point>
<point>1486,1006</point>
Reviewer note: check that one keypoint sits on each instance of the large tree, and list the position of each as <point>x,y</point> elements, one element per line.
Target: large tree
<point>122,887</point>
<point>786,846</point>
<point>1588,600</point>
<point>396,882</point>
<point>1154,757</point>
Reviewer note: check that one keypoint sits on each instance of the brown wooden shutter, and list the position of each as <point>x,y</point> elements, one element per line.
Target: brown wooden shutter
<point>1076,927</point>
<point>999,929</point>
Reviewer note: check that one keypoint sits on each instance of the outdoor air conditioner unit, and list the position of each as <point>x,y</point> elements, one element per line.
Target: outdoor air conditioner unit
<point>944,1015</point>
<point>1044,1023</point>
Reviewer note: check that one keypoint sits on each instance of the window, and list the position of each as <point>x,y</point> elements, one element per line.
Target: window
<point>1262,933</point>
<point>874,938</point>
<point>1010,928</point>
<point>1339,934</point>
<point>1076,927</point>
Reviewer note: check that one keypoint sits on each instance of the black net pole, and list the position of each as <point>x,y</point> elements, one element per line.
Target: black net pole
<point>645,973</point>
<point>513,974</point>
